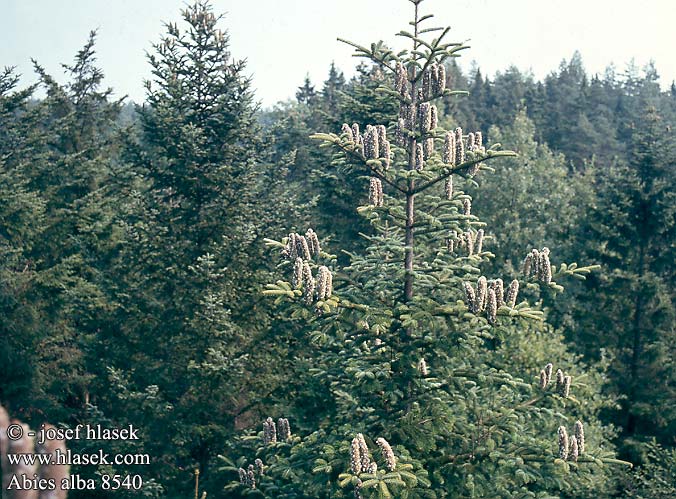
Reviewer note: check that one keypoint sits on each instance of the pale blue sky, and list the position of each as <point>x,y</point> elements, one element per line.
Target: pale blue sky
<point>285,39</point>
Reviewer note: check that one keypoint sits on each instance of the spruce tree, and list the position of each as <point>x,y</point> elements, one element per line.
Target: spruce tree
<point>80,184</point>
<point>630,231</point>
<point>191,317</point>
<point>22,223</point>
<point>428,379</point>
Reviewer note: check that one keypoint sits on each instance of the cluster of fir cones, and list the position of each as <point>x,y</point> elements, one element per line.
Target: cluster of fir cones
<point>301,250</point>
<point>426,119</point>
<point>537,265</point>
<point>570,448</point>
<point>433,81</point>
<point>273,433</point>
<point>470,241</point>
<point>374,144</point>
<point>489,296</point>
<point>562,381</point>
<point>360,458</point>
<point>453,152</point>
<point>248,476</point>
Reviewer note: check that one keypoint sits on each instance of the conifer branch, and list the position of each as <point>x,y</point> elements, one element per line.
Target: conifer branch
<point>370,54</point>
<point>490,154</point>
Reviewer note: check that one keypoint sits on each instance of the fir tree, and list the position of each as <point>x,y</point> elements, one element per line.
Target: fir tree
<point>425,370</point>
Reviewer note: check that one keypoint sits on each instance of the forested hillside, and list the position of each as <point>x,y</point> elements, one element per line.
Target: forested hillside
<point>414,282</point>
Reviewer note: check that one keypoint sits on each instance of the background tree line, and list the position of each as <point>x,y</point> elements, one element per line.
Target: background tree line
<point>132,252</point>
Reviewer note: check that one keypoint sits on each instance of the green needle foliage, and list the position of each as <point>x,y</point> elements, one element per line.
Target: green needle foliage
<point>427,379</point>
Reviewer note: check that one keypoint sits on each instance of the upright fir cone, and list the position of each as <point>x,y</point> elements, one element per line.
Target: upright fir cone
<point>528,265</point>
<point>363,453</point>
<point>428,149</point>
<point>470,297</point>
<point>355,457</point>
<point>545,267</point>
<point>434,117</point>
<point>324,283</point>
<point>422,368</point>
<point>438,83</point>
<point>400,134</point>
<point>565,388</point>
<point>347,131</point>
<point>371,145</point>
<point>473,145</point>
<point>419,157</point>
<point>479,243</point>
<point>251,476</point>
<point>376,192</point>
<point>450,241</point>
<point>574,449</point>
<point>260,468</point>
<point>548,369</point>
<point>387,154</point>
<point>543,379</point>
<point>401,80</point>
<point>355,133</point>
<point>469,240</point>
<point>499,288</point>
<point>409,115</point>
<point>291,249</point>
<point>382,138</point>
<point>579,435</point>
<point>425,117</point>
<point>309,284</point>
<point>284,429</point>
<point>559,380</point>
<point>467,207</point>
<point>512,293</point>
<point>481,293</point>
<point>297,273</point>
<point>459,147</point>
<point>449,149</point>
<point>563,443</point>
<point>535,261</point>
<point>313,242</point>
<point>478,140</point>
<point>388,454</point>
<point>442,77</point>
<point>448,187</point>
<point>427,84</point>
<point>242,476</point>
<point>269,432</point>
<point>433,76</point>
<point>302,247</point>
<point>492,307</point>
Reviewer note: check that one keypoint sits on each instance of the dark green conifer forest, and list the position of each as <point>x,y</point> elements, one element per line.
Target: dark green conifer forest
<point>415,282</point>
